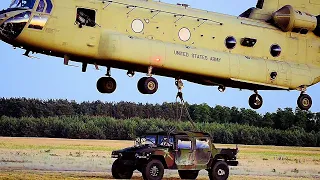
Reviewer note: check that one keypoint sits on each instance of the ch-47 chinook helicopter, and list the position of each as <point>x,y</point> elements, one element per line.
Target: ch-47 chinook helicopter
<point>274,46</point>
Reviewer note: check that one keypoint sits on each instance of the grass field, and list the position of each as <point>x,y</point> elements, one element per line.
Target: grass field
<point>41,158</point>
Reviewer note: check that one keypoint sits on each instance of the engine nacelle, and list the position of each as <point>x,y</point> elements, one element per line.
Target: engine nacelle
<point>289,19</point>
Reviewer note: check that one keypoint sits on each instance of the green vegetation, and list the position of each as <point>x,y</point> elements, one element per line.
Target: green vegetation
<point>88,127</point>
<point>283,119</point>
<point>22,117</point>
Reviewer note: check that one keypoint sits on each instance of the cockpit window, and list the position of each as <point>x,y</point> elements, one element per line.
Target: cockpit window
<point>41,6</point>
<point>38,22</point>
<point>13,26</point>
<point>49,6</point>
<point>22,4</point>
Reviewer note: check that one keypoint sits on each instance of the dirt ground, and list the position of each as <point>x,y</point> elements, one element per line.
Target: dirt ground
<point>41,158</point>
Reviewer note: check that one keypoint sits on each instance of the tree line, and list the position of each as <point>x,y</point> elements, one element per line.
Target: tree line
<point>88,127</point>
<point>282,119</point>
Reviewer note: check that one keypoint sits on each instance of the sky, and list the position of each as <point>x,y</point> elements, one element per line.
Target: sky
<point>46,77</point>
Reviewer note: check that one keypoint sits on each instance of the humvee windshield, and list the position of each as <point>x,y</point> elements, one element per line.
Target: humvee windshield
<point>22,4</point>
<point>155,140</point>
<point>165,141</point>
<point>150,140</point>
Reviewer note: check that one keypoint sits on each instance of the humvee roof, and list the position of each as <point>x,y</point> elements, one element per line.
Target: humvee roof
<point>182,133</point>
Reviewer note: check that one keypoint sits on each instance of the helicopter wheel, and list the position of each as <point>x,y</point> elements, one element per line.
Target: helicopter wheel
<point>106,85</point>
<point>255,101</point>
<point>304,102</point>
<point>148,85</point>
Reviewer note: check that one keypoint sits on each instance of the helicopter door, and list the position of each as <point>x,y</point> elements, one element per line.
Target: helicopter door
<point>185,153</point>
<point>235,67</point>
<point>86,29</point>
<point>284,74</point>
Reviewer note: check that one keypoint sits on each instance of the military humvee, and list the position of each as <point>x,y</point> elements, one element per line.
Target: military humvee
<point>187,152</point>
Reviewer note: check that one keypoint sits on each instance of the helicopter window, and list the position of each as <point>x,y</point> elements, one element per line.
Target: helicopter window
<point>38,22</point>
<point>230,42</point>
<point>41,6</point>
<point>184,34</point>
<point>22,4</point>
<point>86,17</point>
<point>13,26</point>
<point>49,6</point>
<point>275,50</point>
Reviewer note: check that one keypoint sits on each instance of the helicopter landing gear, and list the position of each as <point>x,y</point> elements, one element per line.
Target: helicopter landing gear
<point>255,101</point>
<point>304,101</point>
<point>148,85</point>
<point>221,88</point>
<point>107,85</point>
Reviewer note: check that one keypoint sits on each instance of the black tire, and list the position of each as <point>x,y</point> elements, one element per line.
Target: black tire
<point>119,171</point>
<point>106,85</point>
<point>304,102</point>
<point>148,85</point>
<point>141,85</point>
<point>154,170</point>
<point>254,102</point>
<point>188,174</point>
<point>219,171</point>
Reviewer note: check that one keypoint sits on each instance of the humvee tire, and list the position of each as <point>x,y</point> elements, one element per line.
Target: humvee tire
<point>219,171</point>
<point>154,170</point>
<point>188,174</point>
<point>121,172</point>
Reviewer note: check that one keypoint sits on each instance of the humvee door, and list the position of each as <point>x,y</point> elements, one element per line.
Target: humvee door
<point>202,152</point>
<point>184,156</point>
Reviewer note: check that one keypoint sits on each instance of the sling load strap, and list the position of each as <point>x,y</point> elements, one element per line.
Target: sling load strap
<point>184,107</point>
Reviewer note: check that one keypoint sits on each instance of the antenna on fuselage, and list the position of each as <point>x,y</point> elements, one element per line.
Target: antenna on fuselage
<point>27,54</point>
<point>183,5</point>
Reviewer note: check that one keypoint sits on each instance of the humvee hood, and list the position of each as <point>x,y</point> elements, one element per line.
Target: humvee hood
<point>134,152</point>
<point>135,149</point>
<point>231,154</point>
